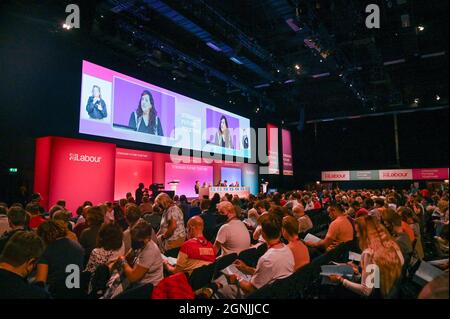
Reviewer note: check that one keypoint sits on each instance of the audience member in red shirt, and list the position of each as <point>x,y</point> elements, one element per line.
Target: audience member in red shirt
<point>195,252</point>
<point>35,218</point>
<point>317,204</point>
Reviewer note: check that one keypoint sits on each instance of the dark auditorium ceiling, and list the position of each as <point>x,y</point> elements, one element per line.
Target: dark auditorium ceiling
<point>283,55</point>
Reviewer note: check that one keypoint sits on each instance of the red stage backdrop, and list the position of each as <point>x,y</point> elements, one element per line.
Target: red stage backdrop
<point>79,170</point>
<point>132,167</point>
<point>74,170</point>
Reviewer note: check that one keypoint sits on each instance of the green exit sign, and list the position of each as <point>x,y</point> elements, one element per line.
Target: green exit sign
<point>13,170</point>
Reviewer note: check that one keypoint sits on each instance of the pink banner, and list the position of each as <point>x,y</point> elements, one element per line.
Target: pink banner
<point>288,168</point>
<point>187,175</point>
<point>272,136</point>
<point>396,174</point>
<point>335,176</point>
<point>430,174</point>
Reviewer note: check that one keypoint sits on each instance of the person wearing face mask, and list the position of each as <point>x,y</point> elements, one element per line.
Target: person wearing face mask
<point>233,236</point>
<point>195,252</point>
<point>145,119</point>
<point>16,263</point>
<point>223,137</point>
<point>172,232</point>
<point>147,265</point>
<point>96,106</point>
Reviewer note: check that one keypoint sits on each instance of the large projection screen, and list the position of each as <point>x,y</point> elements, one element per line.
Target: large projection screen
<point>117,106</point>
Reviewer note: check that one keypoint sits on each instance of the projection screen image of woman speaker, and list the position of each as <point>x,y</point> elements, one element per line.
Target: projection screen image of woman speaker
<point>223,137</point>
<point>145,118</point>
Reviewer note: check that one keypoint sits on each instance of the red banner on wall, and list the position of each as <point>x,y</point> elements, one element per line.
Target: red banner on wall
<point>430,174</point>
<point>74,170</point>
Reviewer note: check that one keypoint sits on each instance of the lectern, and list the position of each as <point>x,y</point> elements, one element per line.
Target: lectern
<point>173,185</point>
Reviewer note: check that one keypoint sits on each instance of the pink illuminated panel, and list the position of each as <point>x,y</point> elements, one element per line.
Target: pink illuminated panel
<point>187,174</point>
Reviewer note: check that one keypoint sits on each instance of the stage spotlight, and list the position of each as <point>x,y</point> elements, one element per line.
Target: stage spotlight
<point>438,98</point>
<point>297,67</point>
<point>421,28</point>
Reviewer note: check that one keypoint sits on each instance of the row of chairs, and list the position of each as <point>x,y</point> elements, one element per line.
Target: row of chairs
<point>305,282</point>
<point>203,276</point>
<point>319,219</point>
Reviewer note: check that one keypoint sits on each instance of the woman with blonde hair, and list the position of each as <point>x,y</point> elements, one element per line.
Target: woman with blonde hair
<point>172,233</point>
<point>379,251</point>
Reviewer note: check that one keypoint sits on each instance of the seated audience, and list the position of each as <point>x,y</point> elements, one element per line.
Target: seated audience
<point>304,222</point>
<point>233,236</point>
<point>17,262</point>
<point>4,224</point>
<point>64,218</point>
<point>54,209</point>
<point>154,218</point>
<point>354,208</point>
<point>210,218</point>
<point>88,238</point>
<point>277,263</point>
<point>309,205</point>
<point>146,207</point>
<point>147,266</point>
<point>133,215</point>
<point>36,198</point>
<point>393,222</point>
<point>109,214</point>
<point>443,241</point>
<point>59,253</point>
<point>195,209</point>
<point>17,219</point>
<point>172,232</point>
<point>409,217</point>
<point>290,232</point>
<point>109,247</point>
<point>406,227</point>
<point>340,230</point>
<point>81,222</point>
<point>196,252</point>
<point>35,217</point>
<point>378,248</point>
<point>185,207</point>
